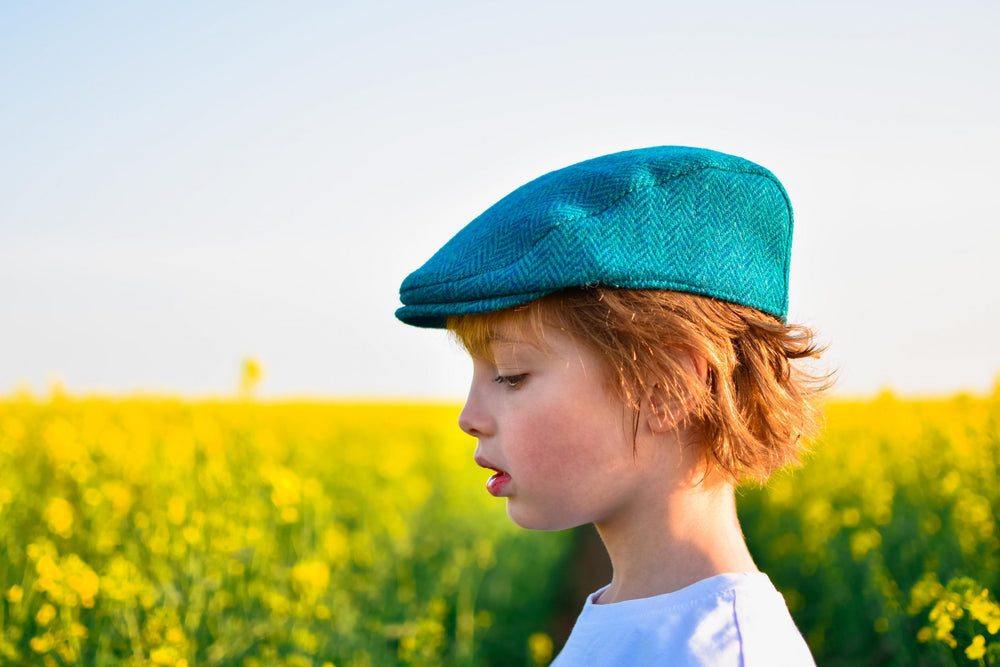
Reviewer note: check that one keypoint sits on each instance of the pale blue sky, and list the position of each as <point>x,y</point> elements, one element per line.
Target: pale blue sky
<point>183,184</point>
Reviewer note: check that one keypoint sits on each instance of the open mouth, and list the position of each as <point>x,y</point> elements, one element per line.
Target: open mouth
<point>498,481</point>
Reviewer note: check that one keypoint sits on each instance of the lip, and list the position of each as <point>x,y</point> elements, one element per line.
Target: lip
<point>498,481</point>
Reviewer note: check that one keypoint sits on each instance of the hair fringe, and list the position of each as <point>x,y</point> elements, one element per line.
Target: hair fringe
<point>759,407</point>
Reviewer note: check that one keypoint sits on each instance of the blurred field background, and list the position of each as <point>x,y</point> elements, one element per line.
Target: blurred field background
<point>141,531</point>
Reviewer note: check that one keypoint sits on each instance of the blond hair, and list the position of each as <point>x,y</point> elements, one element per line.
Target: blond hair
<point>756,410</point>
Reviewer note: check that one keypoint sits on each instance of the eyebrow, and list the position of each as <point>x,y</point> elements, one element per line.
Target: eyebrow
<point>500,338</point>
<point>513,340</point>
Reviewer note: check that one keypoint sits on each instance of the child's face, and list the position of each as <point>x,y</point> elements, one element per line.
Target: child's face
<point>561,442</point>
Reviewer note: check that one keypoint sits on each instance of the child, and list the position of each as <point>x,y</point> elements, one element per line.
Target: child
<point>631,364</point>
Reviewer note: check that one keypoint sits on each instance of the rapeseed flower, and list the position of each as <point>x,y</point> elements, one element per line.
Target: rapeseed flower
<point>540,648</point>
<point>45,614</point>
<point>15,594</point>
<point>977,649</point>
<point>59,517</point>
<point>310,579</point>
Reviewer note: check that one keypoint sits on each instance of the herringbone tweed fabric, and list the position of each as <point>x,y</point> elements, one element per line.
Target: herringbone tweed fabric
<point>669,217</point>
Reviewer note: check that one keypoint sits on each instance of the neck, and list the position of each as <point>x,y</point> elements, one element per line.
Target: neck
<point>674,539</point>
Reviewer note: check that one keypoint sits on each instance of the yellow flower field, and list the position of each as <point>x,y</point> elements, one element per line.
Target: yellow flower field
<point>899,499</point>
<point>166,532</point>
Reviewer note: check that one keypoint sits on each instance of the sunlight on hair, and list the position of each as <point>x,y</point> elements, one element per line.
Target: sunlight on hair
<point>756,411</point>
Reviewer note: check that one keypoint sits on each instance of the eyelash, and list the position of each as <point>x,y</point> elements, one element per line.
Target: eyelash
<point>512,381</point>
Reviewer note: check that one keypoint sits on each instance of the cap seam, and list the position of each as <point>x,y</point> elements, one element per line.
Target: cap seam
<point>531,293</point>
<point>663,284</point>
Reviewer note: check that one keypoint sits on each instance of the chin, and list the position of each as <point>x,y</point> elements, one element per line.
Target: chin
<point>534,520</point>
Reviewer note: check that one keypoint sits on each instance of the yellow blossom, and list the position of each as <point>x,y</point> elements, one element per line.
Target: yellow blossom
<point>162,656</point>
<point>15,594</point>
<point>286,486</point>
<point>977,649</point>
<point>81,579</point>
<point>310,578</point>
<point>984,610</point>
<point>191,535</point>
<point>540,648</point>
<point>41,644</point>
<point>335,543</point>
<point>863,541</point>
<point>59,517</point>
<point>176,510</point>
<point>45,614</point>
<point>67,653</point>
<point>251,374</point>
<point>92,497</point>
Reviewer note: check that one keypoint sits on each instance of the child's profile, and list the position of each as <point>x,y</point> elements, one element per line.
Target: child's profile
<point>632,363</point>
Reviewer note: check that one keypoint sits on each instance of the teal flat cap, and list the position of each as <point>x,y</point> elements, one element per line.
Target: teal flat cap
<point>669,217</point>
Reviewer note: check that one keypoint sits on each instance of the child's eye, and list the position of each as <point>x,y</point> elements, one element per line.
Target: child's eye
<point>512,381</point>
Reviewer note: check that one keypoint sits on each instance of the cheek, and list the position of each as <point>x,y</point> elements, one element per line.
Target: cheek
<point>573,441</point>
<point>540,439</point>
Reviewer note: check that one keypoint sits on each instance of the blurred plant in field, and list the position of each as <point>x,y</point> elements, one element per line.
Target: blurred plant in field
<point>540,648</point>
<point>237,533</point>
<point>251,373</point>
<point>963,606</point>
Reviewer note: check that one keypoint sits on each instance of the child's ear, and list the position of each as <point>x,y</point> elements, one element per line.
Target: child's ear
<point>700,367</point>
<point>669,407</point>
<point>661,417</point>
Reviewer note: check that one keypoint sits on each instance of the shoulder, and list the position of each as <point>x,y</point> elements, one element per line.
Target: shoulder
<point>768,635</point>
<point>734,619</point>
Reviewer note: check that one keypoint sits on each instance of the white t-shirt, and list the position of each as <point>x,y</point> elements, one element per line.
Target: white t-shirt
<point>737,620</point>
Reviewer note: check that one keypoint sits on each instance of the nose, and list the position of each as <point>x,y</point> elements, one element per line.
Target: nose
<point>474,419</point>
